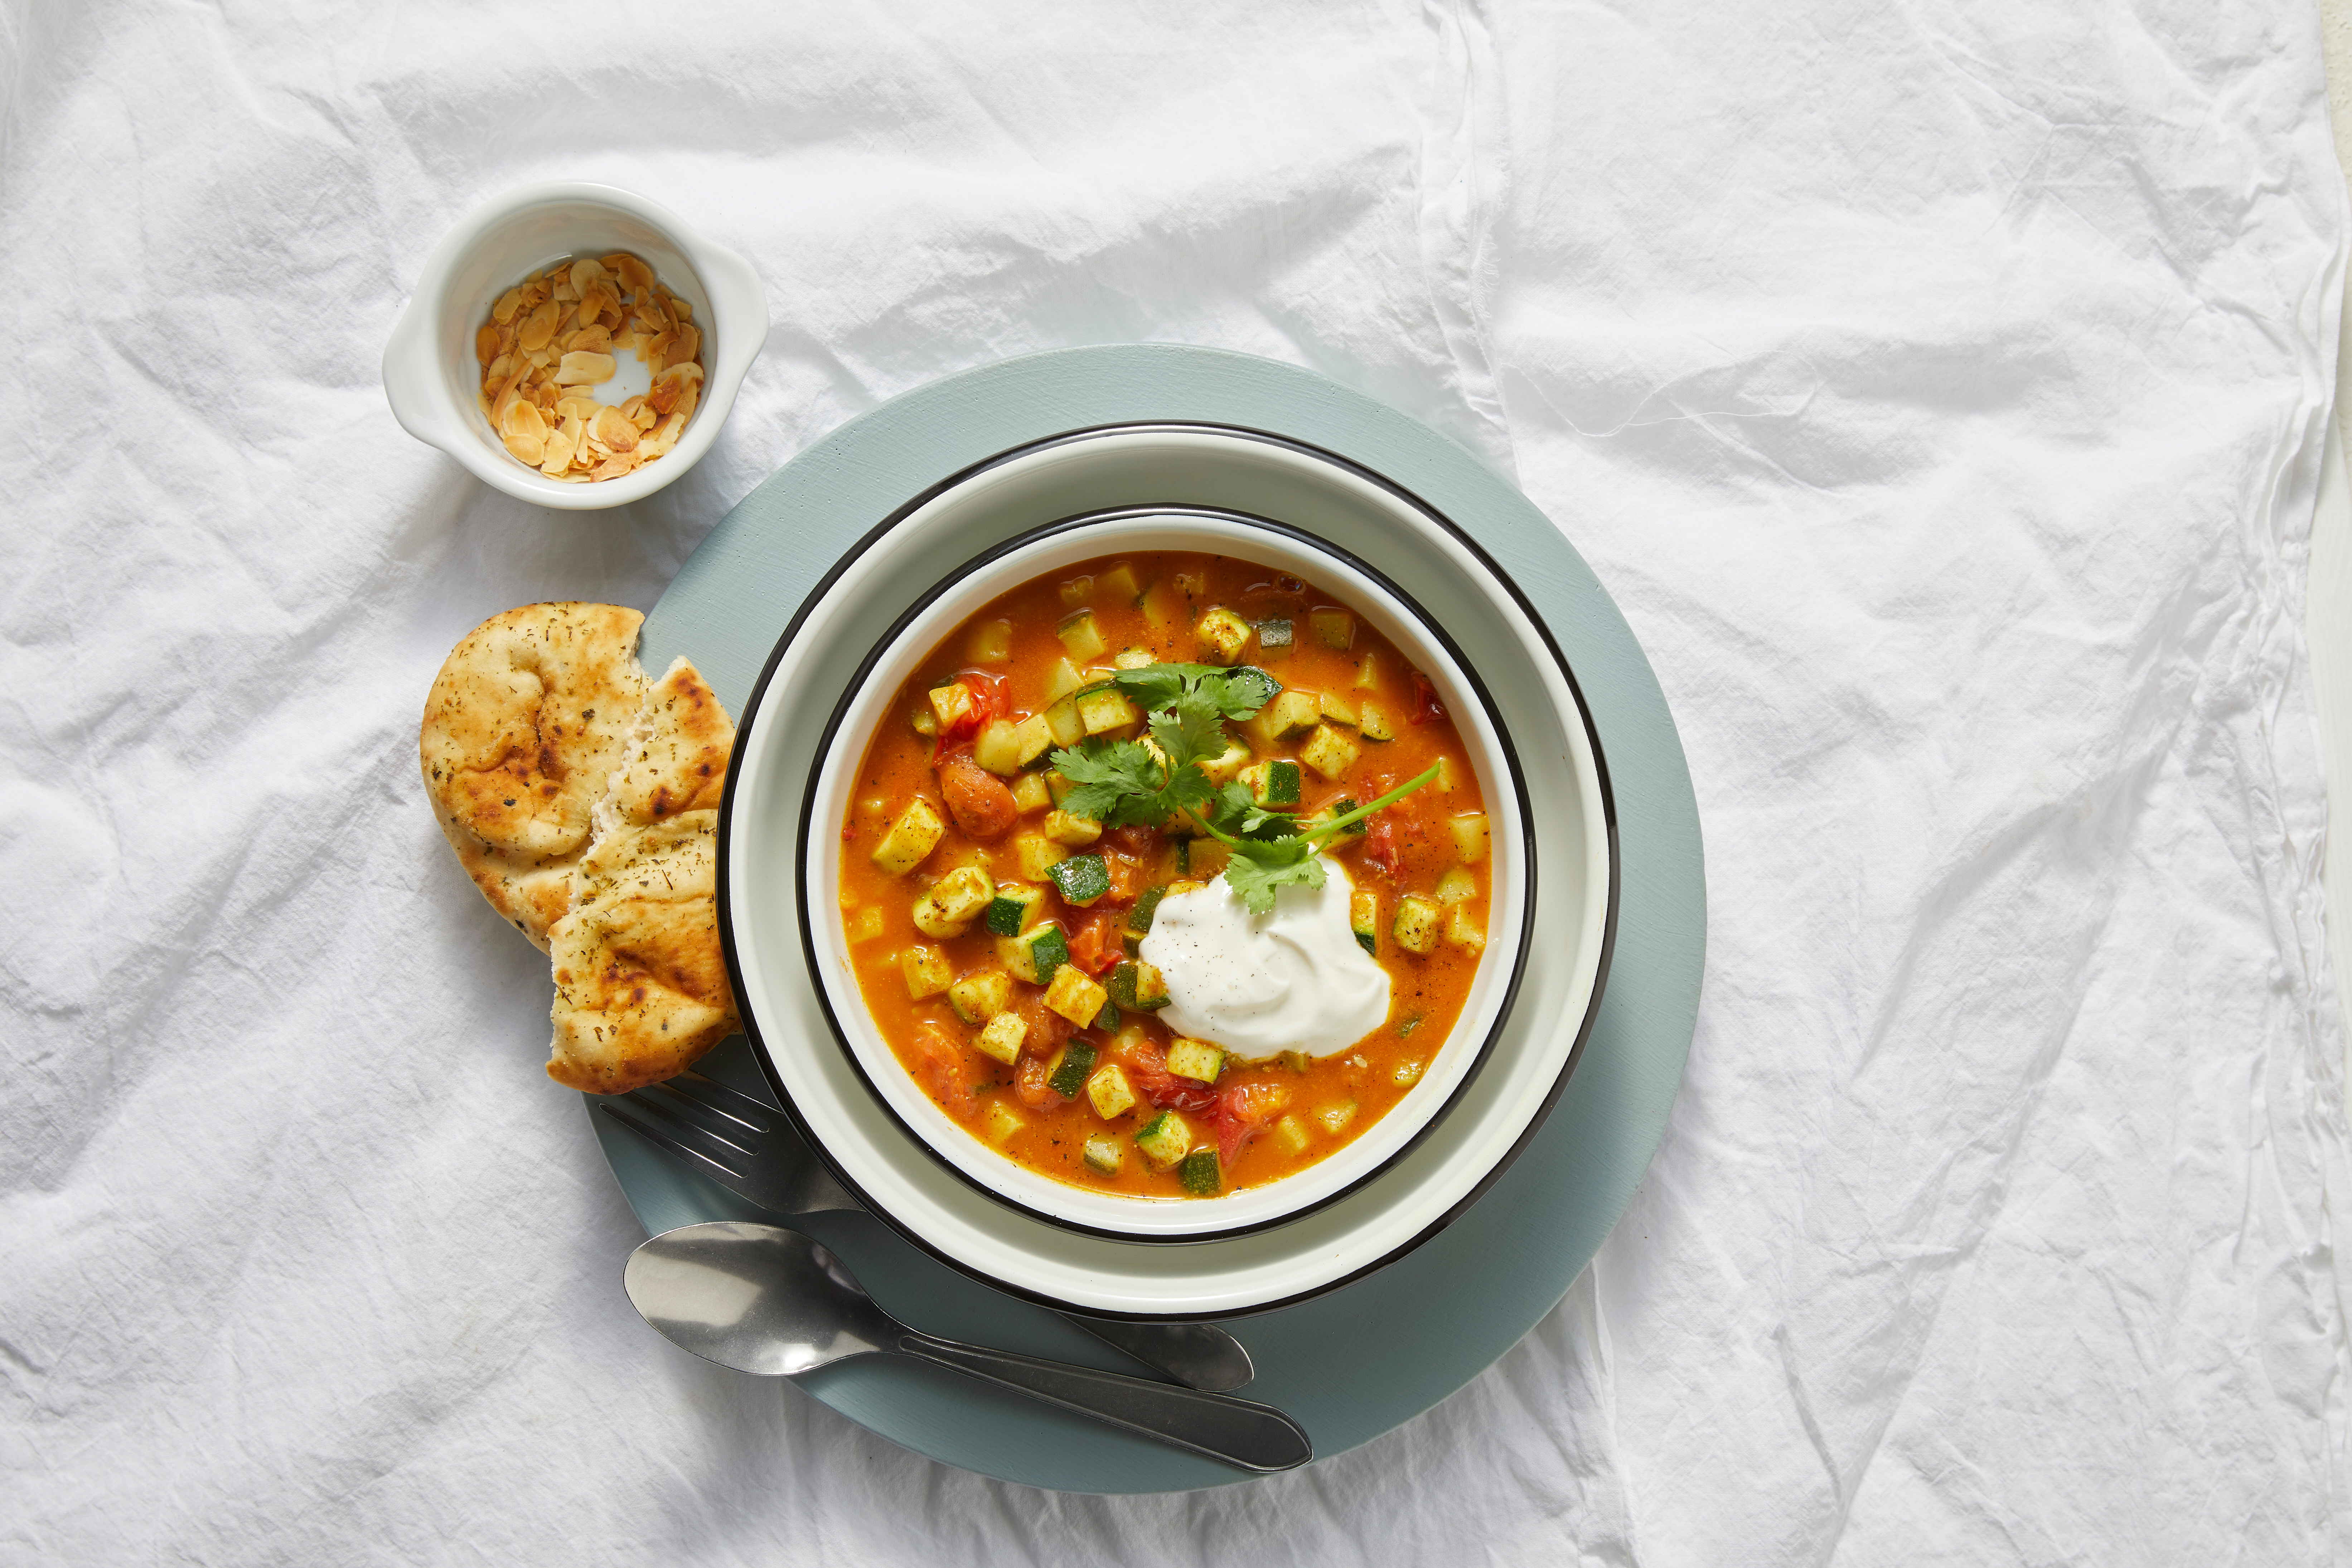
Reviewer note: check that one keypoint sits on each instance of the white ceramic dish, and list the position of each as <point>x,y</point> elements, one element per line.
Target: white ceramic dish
<point>1569,858</point>
<point>430,374</point>
<point>867,705</point>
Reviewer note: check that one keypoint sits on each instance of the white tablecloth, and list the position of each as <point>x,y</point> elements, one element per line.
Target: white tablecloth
<point>1937,388</point>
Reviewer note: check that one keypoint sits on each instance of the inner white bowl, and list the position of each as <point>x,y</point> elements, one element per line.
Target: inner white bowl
<point>430,372</point>
<point>870,703</point>
<point>760,888</point>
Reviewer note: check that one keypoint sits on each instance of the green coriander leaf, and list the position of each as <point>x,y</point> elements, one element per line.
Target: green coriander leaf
<point>1258,870</point>
<point>1189,732</point>
<point>1115,783</point>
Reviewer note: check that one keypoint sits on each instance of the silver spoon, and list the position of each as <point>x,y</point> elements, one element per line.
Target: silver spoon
<point>772,1302</point>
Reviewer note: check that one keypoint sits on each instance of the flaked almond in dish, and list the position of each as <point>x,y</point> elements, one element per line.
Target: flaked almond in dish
<point>589,369</point>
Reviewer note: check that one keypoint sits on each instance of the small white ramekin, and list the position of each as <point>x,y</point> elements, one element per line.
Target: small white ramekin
<point>430,373</point>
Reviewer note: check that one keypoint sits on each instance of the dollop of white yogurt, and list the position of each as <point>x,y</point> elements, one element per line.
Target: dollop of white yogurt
<point>1294,979</point>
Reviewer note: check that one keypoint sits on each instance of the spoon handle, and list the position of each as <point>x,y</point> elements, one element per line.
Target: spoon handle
<point>1236,1431</point>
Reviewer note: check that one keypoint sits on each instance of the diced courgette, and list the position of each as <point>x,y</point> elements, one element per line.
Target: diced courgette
<point>1002,1122</point>
<point>1116,586</point>
<point>1029,794</point>
<point>1200,1175</point>
<point>1372,723</point>
<point>1332,628</point>
<point>1104,1156</point>
<point>1196,1059</point>
<point>1036,953</point>
<point>991,642</point>
<point>1037,855</point>
<point>927,973</point>
<point>1291,1134</point>
<point>912,837</point>
<point>1415,929</point>
<point>1081,636</point>
<point>1165,1139</point>
<point>953,705</point>
<point>1009,911</point>
<point>1287,714</point>
<point>1110,1092</point>
<point>1062,723</point>
<point>1227,765</point>
<point>1081,879</point>
<point>1335,1118</point>
<point>1076,996</point>
<point>1470,836</point>
<point>1139,986</point>
<point>1065,1075</point>
<point>1464,931</point>
<point>1133,658</point>
<point>1272,784</point>
<point>1203,858</point>
<point>1139,919</point>
<point>1364,919</point>
<point>997,747</point>
<point>1329,752</point>
<point>1368,672</point>
<point>1070,831</point>
<point>1106,713</point>
<point>1062,679</point>
<point>977,998</point>
<point>1275,638</point>
<point>1222,635</point>
<point>1002,1038</point>
<point>1456,885</point>
<point>952,902</point>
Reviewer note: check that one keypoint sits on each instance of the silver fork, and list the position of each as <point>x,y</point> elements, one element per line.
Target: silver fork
<point>749,1148</point>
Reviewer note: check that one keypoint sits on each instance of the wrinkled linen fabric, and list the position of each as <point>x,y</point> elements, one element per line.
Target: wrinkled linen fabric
<point>1939,390</point>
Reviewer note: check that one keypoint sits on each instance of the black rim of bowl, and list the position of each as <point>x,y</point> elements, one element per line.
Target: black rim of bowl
<point>872,539</point>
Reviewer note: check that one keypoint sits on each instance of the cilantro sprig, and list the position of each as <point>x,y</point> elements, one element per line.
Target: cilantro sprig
<point>1132,784</point>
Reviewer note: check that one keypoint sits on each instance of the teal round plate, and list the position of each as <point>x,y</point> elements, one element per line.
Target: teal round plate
<point>1370,1355</point>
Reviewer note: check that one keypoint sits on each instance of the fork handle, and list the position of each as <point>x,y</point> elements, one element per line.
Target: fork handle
<point>1236,1431</point>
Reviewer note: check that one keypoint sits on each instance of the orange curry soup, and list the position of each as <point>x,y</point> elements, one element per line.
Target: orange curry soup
<point>967,893</point>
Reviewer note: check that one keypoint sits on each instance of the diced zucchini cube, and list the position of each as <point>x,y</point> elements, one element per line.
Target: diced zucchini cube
<point>1338,710</point>
<point>952,902</point>
<point>912,837</point>
<point>978,998</point>
<point>953,704</point>
<point>1164,605</point>
<point>865,924</point>
<point>1080,879</point>
<point>1470,837</point>
<point>1103,1155</point>
<point>1332,628</point>
<point>1065,1075</point>
<point>1105,713</point>
<point>1222,635</point>
<point>1002,1038</point>
<point>1057,786</point>
<point>1133,658</point>
<point>1081,636</point>
<point>1030,794</point>
<point>1368,672</point>
<point>1329,753</point>
<point>1331,813</point>
<point>1195,1059</point>
<point>1062,722</point>
<point>1139,919</point>
<point>1009,910</point>
<point>1335,1118</point>
<point>1139,986</point>
<point>1070,831</point>
<point>1291,1136</point>
<point>1449,776</point>
<point>1203,858</point>
<point>997,747</point>
<point>1110,1092</point>
<point>1001,1123</point>
<point>1464,931</point>
<point>1036,953</point>
<point>1416,923</point>
<point>990,643</point>
<point>1224,767</point>
<point>1406,1075</point>
<point>1077,592</point>
<point>924,720</point>
<point>1035,737</point>
<point>1455,886</point>
<point>1037,855</point>
<point>927,973</point>
<point>1364,919</point>
<point>1165,1139</point>
<point>1062,679</point>
<point>1109,1018</point>
<point>1199,1173</point>
<point>1373,724</point>
<point>1297,1062</point>
<point>1076,996</point>
<point>1116,586</point>
<point>1272,784</point>
<point>1289,713</point>
<point>1275,638</point>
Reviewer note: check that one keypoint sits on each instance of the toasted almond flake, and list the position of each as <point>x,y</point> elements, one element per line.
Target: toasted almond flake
<point>563,293</point>
<point>615,430</point>
<point>679,307</point>
<point>509,303</point>
<point>499,370</point>
<point>629,409</point>
<point>614,467</point>
<point>688,346</point>
<point>635,275</point>
<point>527,448</point>
<point>537,330</point>
<point>585,272</point>
<point>580,408</point>
<point>644,418</point>
<point>585,369</point>
<point>592,340</point>
<point>486,343</point>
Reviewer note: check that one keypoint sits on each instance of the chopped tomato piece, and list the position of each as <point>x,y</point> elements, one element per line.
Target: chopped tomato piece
<point>1243,1113</point>
<point>940,1060</point>
<point>1132,840</point>
<point>1095,947</point>
<point>990,699</point>
<point>1047,1028</point>
<point>976,798</point>
<point>1029,1083</point>
<point>1426,708</point>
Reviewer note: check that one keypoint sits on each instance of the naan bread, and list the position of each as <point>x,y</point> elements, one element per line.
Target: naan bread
<point>527,721</point>
<point>641,987</point>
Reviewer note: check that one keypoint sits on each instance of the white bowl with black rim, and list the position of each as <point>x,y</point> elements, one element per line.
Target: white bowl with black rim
<point>831,682</point>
